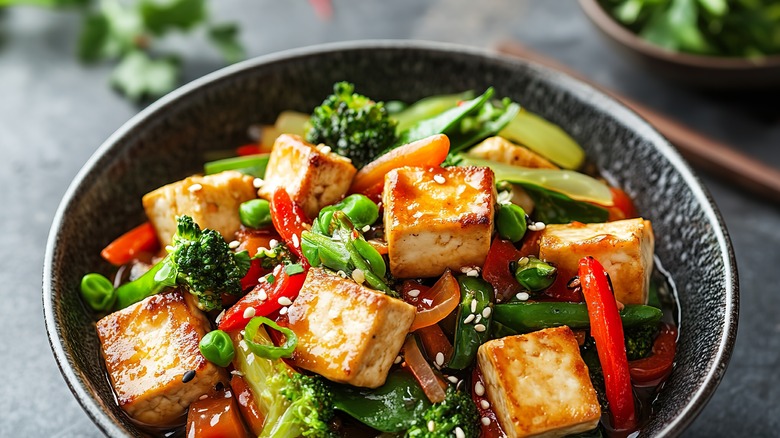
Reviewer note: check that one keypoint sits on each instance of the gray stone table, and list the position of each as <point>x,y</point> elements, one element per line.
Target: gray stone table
<point>54,113</point>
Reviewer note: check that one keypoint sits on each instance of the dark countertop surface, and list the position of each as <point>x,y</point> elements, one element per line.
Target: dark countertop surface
<point>55,112</point>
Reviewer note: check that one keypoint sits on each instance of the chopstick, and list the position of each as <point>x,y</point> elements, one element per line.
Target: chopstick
<point>702,151</point>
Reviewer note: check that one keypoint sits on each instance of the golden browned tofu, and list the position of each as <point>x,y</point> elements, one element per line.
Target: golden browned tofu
<point>504,151</point>
<point>151,351</point>
<point>346,332</point>
<point>624,247</point>
<point>538,384</point>
<point>313,176</point>
<point>211,200</point>
<point>438,218</point>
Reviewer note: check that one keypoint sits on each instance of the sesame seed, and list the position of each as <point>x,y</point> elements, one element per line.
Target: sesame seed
<point>194,188</point>
<point>440,358</point>
<point>473,305</point>
<point>484,404</point>
<point>398,359</point>
<point>358,276</point>
<point>485,421</point>
<point>295,240</point>
<point>284,301</point>
<point>273,243</point>
<point>537,226</point>
<point>480,328</point>
<point>452,379</point>
<point>523,261</point>
<point>257,183</point>
<point>523,296</point>
<point>465,269</point>
<point>479,389</point>
<point>188,375</point>
<point>469,318</point>
<point>325,149</point>
<point>366,228</point>
<point>431,426</point>
<point>203,397</point>
<point>472,273</point>
<point>486,312</point>
<point>249,312</point>
<point>439,179</point>
<point>233,244</point>
<point>237,373</point>
<point>242,343</point>
<point>169,248</point>
<point>283,310</point>
<point>414,293</point>
<point>459,433</point>
<point>477,319</point>
<point>220,316</point>
<point>262,295</point>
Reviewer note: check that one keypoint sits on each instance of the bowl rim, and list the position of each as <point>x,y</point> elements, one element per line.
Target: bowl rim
<point>91,405</point>
<point>609,25</point>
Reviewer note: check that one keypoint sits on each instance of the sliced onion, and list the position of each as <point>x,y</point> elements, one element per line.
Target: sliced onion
<point>422,371</point>
<point>436,303</point>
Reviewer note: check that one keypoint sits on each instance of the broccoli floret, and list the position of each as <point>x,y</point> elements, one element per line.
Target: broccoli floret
<point>639,341</point>
<point>198,260</point>
<point>457,410</point>
<point>352,124</point>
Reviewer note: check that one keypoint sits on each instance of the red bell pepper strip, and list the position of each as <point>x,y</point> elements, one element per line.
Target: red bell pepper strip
<point>654,368</point>
<point>496,269</point>
<point>264,298</point>
<point>607,330</point>
<point>492,429</point>
<point>248,149</point>
<point>622,206</point>
<point>124,248</point>
<point>290,221</point>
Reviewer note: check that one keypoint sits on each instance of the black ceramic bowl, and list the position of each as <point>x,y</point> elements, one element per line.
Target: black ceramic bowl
<point>167,141</point>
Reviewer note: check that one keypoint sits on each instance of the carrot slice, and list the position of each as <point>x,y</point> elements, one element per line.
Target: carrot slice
<point>124,248</point>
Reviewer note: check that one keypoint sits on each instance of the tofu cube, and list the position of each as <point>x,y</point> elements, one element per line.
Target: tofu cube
<point>504,151</point>
<point>538,384</point>
<point>624,247</point>
<point>211,200</point>
<point>346,332</point>
<point>438,218</point>
<point>312,176</point>
<point>149,347</point>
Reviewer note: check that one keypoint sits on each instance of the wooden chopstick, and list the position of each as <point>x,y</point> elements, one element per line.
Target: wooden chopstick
<point>702,151</point>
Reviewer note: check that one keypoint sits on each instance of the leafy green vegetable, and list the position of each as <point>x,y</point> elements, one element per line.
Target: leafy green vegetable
<point>740,28</point>
<point>556,208</point>
<point>137,75</point>
<point>428,107</point>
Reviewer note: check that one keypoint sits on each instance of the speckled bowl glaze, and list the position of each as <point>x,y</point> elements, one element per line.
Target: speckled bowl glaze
<point>167,141</point>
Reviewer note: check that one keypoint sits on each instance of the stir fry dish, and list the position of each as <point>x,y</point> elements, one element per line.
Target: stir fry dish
<point>452,267</point>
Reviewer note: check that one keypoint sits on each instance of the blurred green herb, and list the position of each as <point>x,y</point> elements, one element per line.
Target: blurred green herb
<point>739,28</point>
<point>126,31</point>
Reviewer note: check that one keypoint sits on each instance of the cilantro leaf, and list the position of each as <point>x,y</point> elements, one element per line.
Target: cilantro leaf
<point>225,39</point>
<point>160,16</point>
<point>93,39</point>
<point>137,75</point>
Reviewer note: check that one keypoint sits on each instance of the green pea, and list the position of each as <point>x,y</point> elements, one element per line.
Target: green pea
<point>359,209</point>
<point>98,292</point>
<point>255,213</point>
<point>217,347</point>
<point>510,221</point>
<point>535,275</point>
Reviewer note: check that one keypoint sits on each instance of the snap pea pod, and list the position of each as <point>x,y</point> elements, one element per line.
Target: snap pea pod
<point>391,408</point>
<point>360,210</point>
<point>473,322</point>
<point>253,165</point>
<point>426,108</point>
<point>528,317</point>
<point>444,122</point>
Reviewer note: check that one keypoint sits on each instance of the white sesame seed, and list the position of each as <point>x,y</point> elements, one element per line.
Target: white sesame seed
<point>480,328</point>
<point>465,269</point>
<point>523,296</point>
<point>295,240</point>
<point>439,179</point>
<point>257,183</point>
<point>459,433</point>
<point>414,293</point>
<point>537,226</point>
<point>469,318</point>
<point>234,244</point>
<point>262,295</point>
<point>194,188</point>
<point>237,373</point>
<point>249,312</point>
<point>203,397</point>
<point>283,310</point>
<point>440,358</point>
<point>242,343</point>
<point>484,404</point>
<point>284,301</point>
<point>366,228</point>
<point>220,316</point>
<point>486,312</point>
<point>431,426</point>
<point>169,248</point>
<point>273,243</point>
<point>358,276</point>
<point>485,421</point>
<point>325,149</point>
<point>479,389</point>
<point>398,359</point>
<point>473,305</point>
<point>477,319</point>
<point>472,273</point>
<point>452,379</point>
